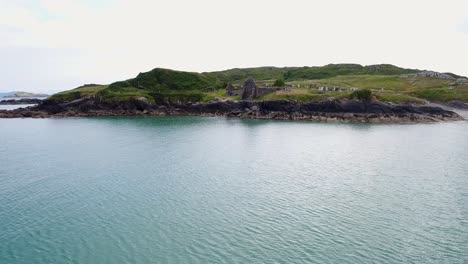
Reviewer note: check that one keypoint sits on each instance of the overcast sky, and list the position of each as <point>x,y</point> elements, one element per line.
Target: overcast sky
<point>54,45</point>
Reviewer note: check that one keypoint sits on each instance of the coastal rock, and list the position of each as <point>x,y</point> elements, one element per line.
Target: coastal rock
<point>332,110</point>
<point>458,104</point>
<point>249,90</point>
<point>279,106</point>
<point>143,100</point>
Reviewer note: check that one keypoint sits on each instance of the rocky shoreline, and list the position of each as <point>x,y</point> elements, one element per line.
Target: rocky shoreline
<point>20,101</point>
<point>343,110</point>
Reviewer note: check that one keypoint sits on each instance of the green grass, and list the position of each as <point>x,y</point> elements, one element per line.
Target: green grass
<point>123,94</point>
<point>377,82</point>
<point>162,96</point>
<point>165,79</point>
<point>240,75</point>
<point>443,94</point>
<point>398,98</point>
<point>333,70</point>
<point>220,93</point>
<point>395,88</point>
<point>385,82</point>
<point>302,95</point>
<point>308,73</point>
<point>79,92</point>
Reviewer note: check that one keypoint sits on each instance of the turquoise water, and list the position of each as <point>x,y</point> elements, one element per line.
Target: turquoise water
<point>215,190</point>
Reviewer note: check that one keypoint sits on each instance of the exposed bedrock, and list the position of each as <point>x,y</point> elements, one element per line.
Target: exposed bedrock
<point>326,110</point>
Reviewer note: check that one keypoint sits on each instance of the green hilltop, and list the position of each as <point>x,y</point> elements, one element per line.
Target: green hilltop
<point>388,82</point>
<point>308,73</point>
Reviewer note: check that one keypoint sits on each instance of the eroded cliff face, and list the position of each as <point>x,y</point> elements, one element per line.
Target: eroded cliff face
<point>326,110</point>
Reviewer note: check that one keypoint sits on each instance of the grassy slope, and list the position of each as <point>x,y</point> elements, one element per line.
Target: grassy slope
<point>307,73</point>
<point>240,75</point>
<point>395,88</point>
<point>163,85</point>
<point>79,92</point>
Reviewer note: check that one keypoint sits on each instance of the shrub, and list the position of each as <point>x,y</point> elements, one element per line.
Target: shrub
<point>362,95</point>
<point>279,83</point>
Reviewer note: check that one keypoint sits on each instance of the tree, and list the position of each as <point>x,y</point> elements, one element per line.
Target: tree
<point>364,95</point>
<point>279,83</point>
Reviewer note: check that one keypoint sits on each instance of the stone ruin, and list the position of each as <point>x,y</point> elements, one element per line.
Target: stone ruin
<point>429,74</point>
<point>458,82</point>
<point>229,90</point>
<point>249,90</point>
<point>336,89</point>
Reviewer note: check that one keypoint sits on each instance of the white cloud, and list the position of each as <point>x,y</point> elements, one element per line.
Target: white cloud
<point>122,38</point>
<point>464,26</point>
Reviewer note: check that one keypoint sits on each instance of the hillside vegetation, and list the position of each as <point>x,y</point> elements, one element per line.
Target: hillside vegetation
<point>77,93</point>
<point>387,82</point>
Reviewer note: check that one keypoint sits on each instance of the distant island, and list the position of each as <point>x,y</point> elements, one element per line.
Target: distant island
<point>24,95</point>
<point>341,92</point>
<point>21,101</point>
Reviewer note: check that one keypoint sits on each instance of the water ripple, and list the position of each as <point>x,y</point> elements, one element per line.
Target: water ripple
<point>216,190</point>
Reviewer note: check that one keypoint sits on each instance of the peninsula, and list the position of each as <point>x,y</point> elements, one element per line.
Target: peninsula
<point>24,95</point>
<point>335,92</point>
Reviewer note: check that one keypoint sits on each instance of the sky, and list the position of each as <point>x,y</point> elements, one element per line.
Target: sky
<point>55,45</point>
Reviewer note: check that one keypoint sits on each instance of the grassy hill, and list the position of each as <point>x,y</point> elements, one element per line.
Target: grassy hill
<point>302,73</point>
<point>77,93</point>
<point>388,83</point>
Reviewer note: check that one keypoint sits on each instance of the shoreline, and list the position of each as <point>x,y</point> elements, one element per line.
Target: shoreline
<point>21,101</point>
<point>324,111</point>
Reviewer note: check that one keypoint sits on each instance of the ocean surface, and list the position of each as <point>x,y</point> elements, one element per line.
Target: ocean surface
<point>217,190</point>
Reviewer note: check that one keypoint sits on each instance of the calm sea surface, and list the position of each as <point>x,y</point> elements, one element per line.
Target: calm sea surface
<point>216,190</point>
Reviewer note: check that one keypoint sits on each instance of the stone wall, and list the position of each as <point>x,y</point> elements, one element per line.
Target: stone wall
<point>429,74</point>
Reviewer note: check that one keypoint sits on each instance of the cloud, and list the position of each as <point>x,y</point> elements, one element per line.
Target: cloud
<point>39,69</point>
<point>464,26</point>
<point>118,39</point>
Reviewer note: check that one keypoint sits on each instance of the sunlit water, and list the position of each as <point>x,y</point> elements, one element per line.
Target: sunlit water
<point>215,190</point>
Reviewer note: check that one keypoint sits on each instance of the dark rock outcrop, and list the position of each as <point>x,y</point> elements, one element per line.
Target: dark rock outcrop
<point>249,90</point>
<point>458,104</point>
<point>326,110</point>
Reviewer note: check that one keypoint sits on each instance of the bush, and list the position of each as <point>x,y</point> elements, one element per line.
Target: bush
<point>279,83</point>
<point>362,95</point>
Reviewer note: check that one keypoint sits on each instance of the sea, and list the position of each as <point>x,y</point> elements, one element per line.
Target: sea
<point>227,190</point>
